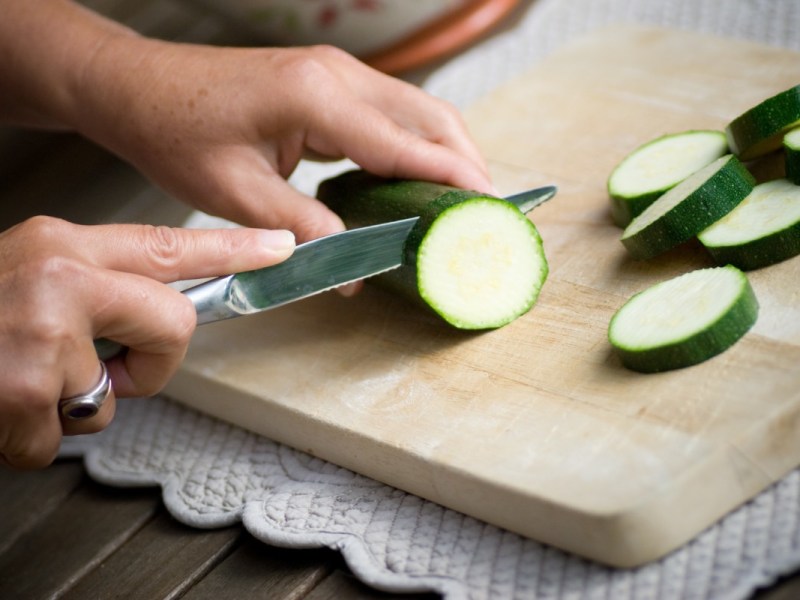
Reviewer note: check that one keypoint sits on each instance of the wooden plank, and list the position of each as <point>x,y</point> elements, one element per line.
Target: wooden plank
<point>71,540</point>
<point>162,560</point>
<point>256,570</point>
<point>28,497</point>
<point>786,588</point>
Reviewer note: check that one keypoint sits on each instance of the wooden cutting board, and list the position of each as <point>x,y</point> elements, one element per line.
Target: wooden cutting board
<point>536,427</point>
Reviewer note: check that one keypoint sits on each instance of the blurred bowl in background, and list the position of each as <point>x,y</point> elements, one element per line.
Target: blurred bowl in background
<point>392,35</point>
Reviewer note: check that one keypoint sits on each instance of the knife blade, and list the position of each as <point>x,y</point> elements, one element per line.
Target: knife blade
<point>318,266</point>
<point>314,267</point>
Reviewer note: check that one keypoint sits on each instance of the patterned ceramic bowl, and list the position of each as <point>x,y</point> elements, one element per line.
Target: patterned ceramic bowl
<point>365,28</point>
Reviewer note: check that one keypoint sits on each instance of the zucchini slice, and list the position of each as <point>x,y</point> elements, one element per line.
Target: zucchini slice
<point>657,166</point>
<point>476,260</point>
<point>791,147</point>
<point>684,321</point>
<point>763,230</point>
<point>760,130</point>
<point>689,207</point>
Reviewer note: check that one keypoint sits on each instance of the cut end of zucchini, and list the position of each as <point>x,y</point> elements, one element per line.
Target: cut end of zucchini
<point>688,208</point>
<point>684,321</point>
<point>791,147</point>
<point>762,230</point>
<point>658,166</point>
<point>481,264</point>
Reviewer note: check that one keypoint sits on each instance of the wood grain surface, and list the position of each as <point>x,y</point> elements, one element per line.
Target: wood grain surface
<point>536,427</point>
<point>65,536</point>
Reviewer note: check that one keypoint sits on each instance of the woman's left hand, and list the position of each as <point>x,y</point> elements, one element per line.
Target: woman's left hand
<point>222,128</point>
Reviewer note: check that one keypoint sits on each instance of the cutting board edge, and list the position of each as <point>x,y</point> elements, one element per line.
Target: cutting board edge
<point>628,536</point>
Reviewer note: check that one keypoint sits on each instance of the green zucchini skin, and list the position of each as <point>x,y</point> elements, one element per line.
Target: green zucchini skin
<point>694,349</point>
<point>769,247</point>
<point>760,130</point>
<point>791,148</point>
<point>627,205</point>
<point>362,199</point>
<point>760,253</point>
<point>624,210</point>
<point>712,200</point>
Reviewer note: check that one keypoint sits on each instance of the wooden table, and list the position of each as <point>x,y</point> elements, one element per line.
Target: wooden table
<point>61,534</point>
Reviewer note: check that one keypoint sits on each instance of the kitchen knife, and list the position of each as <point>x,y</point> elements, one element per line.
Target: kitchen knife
<point>314,267</point>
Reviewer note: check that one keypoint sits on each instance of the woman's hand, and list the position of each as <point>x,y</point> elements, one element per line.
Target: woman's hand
<point>222,128</point>
<point>63,285</point>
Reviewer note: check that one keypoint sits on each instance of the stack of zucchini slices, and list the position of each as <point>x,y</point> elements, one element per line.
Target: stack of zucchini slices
<point>696,184</point>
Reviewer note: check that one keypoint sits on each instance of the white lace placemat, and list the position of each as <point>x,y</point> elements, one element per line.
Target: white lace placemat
<point>214,474</point>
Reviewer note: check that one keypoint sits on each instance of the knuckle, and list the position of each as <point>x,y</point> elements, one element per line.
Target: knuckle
<point>28,396</point>
<point>450,115</point>
<point>164,248</point>
<point>185,321</point>
<point>329,52</point>
<point>179,324</point>
<point>37,282</point>
<point>42,229</point>
<point>309,67</point>
<point>36,455</point>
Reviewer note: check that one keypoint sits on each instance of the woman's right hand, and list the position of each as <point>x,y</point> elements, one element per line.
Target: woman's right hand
<point>63,285</point>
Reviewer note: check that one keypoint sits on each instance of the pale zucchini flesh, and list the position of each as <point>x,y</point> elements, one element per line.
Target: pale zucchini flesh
<point>684,321</point>
<point>762,230</point>
<point>688,208</point>
<point>657,166</point>
<point>481,264</point>
<point>475,260</point>
<point>791,148</point>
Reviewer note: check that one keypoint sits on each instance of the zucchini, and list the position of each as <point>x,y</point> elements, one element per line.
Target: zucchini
<point>689,207</point>
<point>684,321</point>
<point>791,147</point>
<point>657,166</point>
<point>760,130</point>
<point>764,229</point>
<point>475,260</point>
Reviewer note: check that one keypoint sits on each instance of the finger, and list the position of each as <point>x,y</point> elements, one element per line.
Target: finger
<point>75,378</point>
<point>411,107</point>
<point>381,146</point>
<point>94,424</point>
<point>307,217</point>
<point>171,254</point>
<point>155,323</point>
<point>30,432</point>
<point>432,118</point>
<point>263,198</point>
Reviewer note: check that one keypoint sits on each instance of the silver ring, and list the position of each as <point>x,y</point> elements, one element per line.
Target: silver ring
<point>85,406</point>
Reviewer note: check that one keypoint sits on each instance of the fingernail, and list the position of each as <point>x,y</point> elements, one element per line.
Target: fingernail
<point>277,240</point>
<point>347,290</point>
